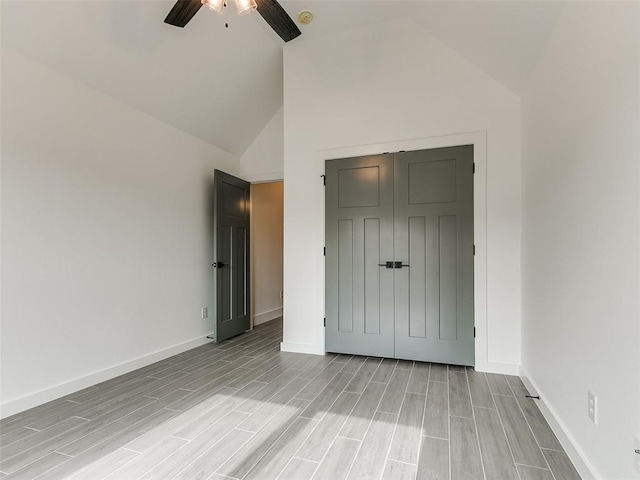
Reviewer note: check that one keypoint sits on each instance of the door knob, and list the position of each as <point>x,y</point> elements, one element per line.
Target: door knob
<point>218,265</point>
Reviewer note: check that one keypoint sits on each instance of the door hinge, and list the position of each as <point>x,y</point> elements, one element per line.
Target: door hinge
<point>474,167</point>
<point>474,249</point>
<point>324,251</point>
<point>474,332</point>
<point>325,321</point>
<point>324,179</point>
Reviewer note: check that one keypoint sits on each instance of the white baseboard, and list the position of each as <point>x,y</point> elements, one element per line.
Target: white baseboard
<point>302,348</point>
<point>17,405</point>
<point>267,316</point>
<point>496,367</point>
<point>586,470</point>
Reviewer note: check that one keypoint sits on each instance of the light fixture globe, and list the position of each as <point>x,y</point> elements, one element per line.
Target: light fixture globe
<point>215,5</point>
<point>245,6</point>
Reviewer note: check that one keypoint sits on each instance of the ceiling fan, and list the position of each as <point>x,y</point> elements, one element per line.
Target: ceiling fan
<point>271,11</point>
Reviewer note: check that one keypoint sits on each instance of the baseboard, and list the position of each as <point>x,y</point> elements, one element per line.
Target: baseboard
<point>267,316</point>
<point>17,405</point>
<point>302,348</point>
<point>496,367</point>
<point>586,470</point>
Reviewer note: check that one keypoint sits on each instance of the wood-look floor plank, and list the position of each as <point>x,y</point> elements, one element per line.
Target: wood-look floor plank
<point>498,384</point>
<point>105,466</point>
<point>456,368</point>
<point>541,429</point>
<point>384,371</point>
<point>419,380</point>
<point>459,398</point>
<point>103,449</point>
<point>15,435</point>
<point>318,407</point>
<point>37,468</point>
<point>191,423</point>
<point>436,415</point>
<point>18,454</point>
<point>466,463</point>
<point>404,364</point>
<point>479,387</point>
<point>406,439</point>
<point>213,458</point>
<point>533,473</point>
<point>270,390</point>
<point>175,463</point>
<point>317,444</point>
<point>282,451</point>
<point>363,376</point>
<point>399,471</point>
<point>394,394</point>
<point>514,381</point>
<point>354,364</point>
<point>560,465</point>
<point>438,373</point>
<point>369,462</point>
<point>298,469</point>
<point>523,444</point>
<point>319,383</point>
<point>94,436</point>
<point>496,456</point>
<point>244,459</point>
<point>148,460</point>
<point>338,460</point>
<point>433,463</point>
<point>258,419</point>
<point>358,422</point>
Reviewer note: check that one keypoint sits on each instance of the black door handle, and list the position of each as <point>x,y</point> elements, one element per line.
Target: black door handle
<point>218,265</point>
<point>386,264</point>
<point>399,265</point>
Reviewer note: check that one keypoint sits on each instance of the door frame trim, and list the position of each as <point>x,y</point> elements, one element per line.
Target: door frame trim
<point>479,141</point>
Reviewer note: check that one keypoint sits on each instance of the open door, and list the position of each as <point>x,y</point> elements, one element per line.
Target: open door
<point>231,261</point>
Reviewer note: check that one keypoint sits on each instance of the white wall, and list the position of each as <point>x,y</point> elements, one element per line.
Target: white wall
<point>389,83</point>
<point>264,159</point>
<point>266,251</point>
<point>106,235</point>
<point>580,230</point>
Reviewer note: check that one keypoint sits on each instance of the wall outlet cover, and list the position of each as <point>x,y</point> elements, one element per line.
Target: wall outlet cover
<point>205,312</point>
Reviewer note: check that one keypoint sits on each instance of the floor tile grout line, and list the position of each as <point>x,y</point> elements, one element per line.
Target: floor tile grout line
<point>475,424</point>
<point>506,437</point>
<point>530,430</point>
<point>395,428</point>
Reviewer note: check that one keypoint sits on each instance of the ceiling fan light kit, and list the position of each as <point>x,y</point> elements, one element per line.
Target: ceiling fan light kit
<point>270,10</point>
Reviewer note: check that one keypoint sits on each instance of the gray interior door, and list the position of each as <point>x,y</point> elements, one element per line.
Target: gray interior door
<point>231,250</point>
<point>433,224</point>
<point>359,237</point>
<point>415,210</point>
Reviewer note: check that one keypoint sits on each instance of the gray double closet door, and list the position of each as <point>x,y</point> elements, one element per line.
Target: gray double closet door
<point>399,255</point>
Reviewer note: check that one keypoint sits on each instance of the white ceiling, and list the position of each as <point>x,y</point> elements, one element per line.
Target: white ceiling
<point>224,84</point>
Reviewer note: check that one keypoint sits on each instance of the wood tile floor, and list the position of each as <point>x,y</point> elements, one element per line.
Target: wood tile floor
<point>244,410</point>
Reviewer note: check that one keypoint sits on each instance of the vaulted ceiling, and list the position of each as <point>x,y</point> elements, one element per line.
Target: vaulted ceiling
<point>224,84</point>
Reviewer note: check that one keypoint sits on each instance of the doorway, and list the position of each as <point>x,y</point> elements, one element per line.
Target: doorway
<point>267,222</point>
<point>399,259</point>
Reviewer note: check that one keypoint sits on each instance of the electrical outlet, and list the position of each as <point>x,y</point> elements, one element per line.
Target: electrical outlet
<point>205,312</point>
<point>636,446</point>
<point>592,406</point>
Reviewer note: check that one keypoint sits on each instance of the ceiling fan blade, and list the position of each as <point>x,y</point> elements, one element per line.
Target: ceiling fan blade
<point>182,12</point>
<point>278,19</point>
